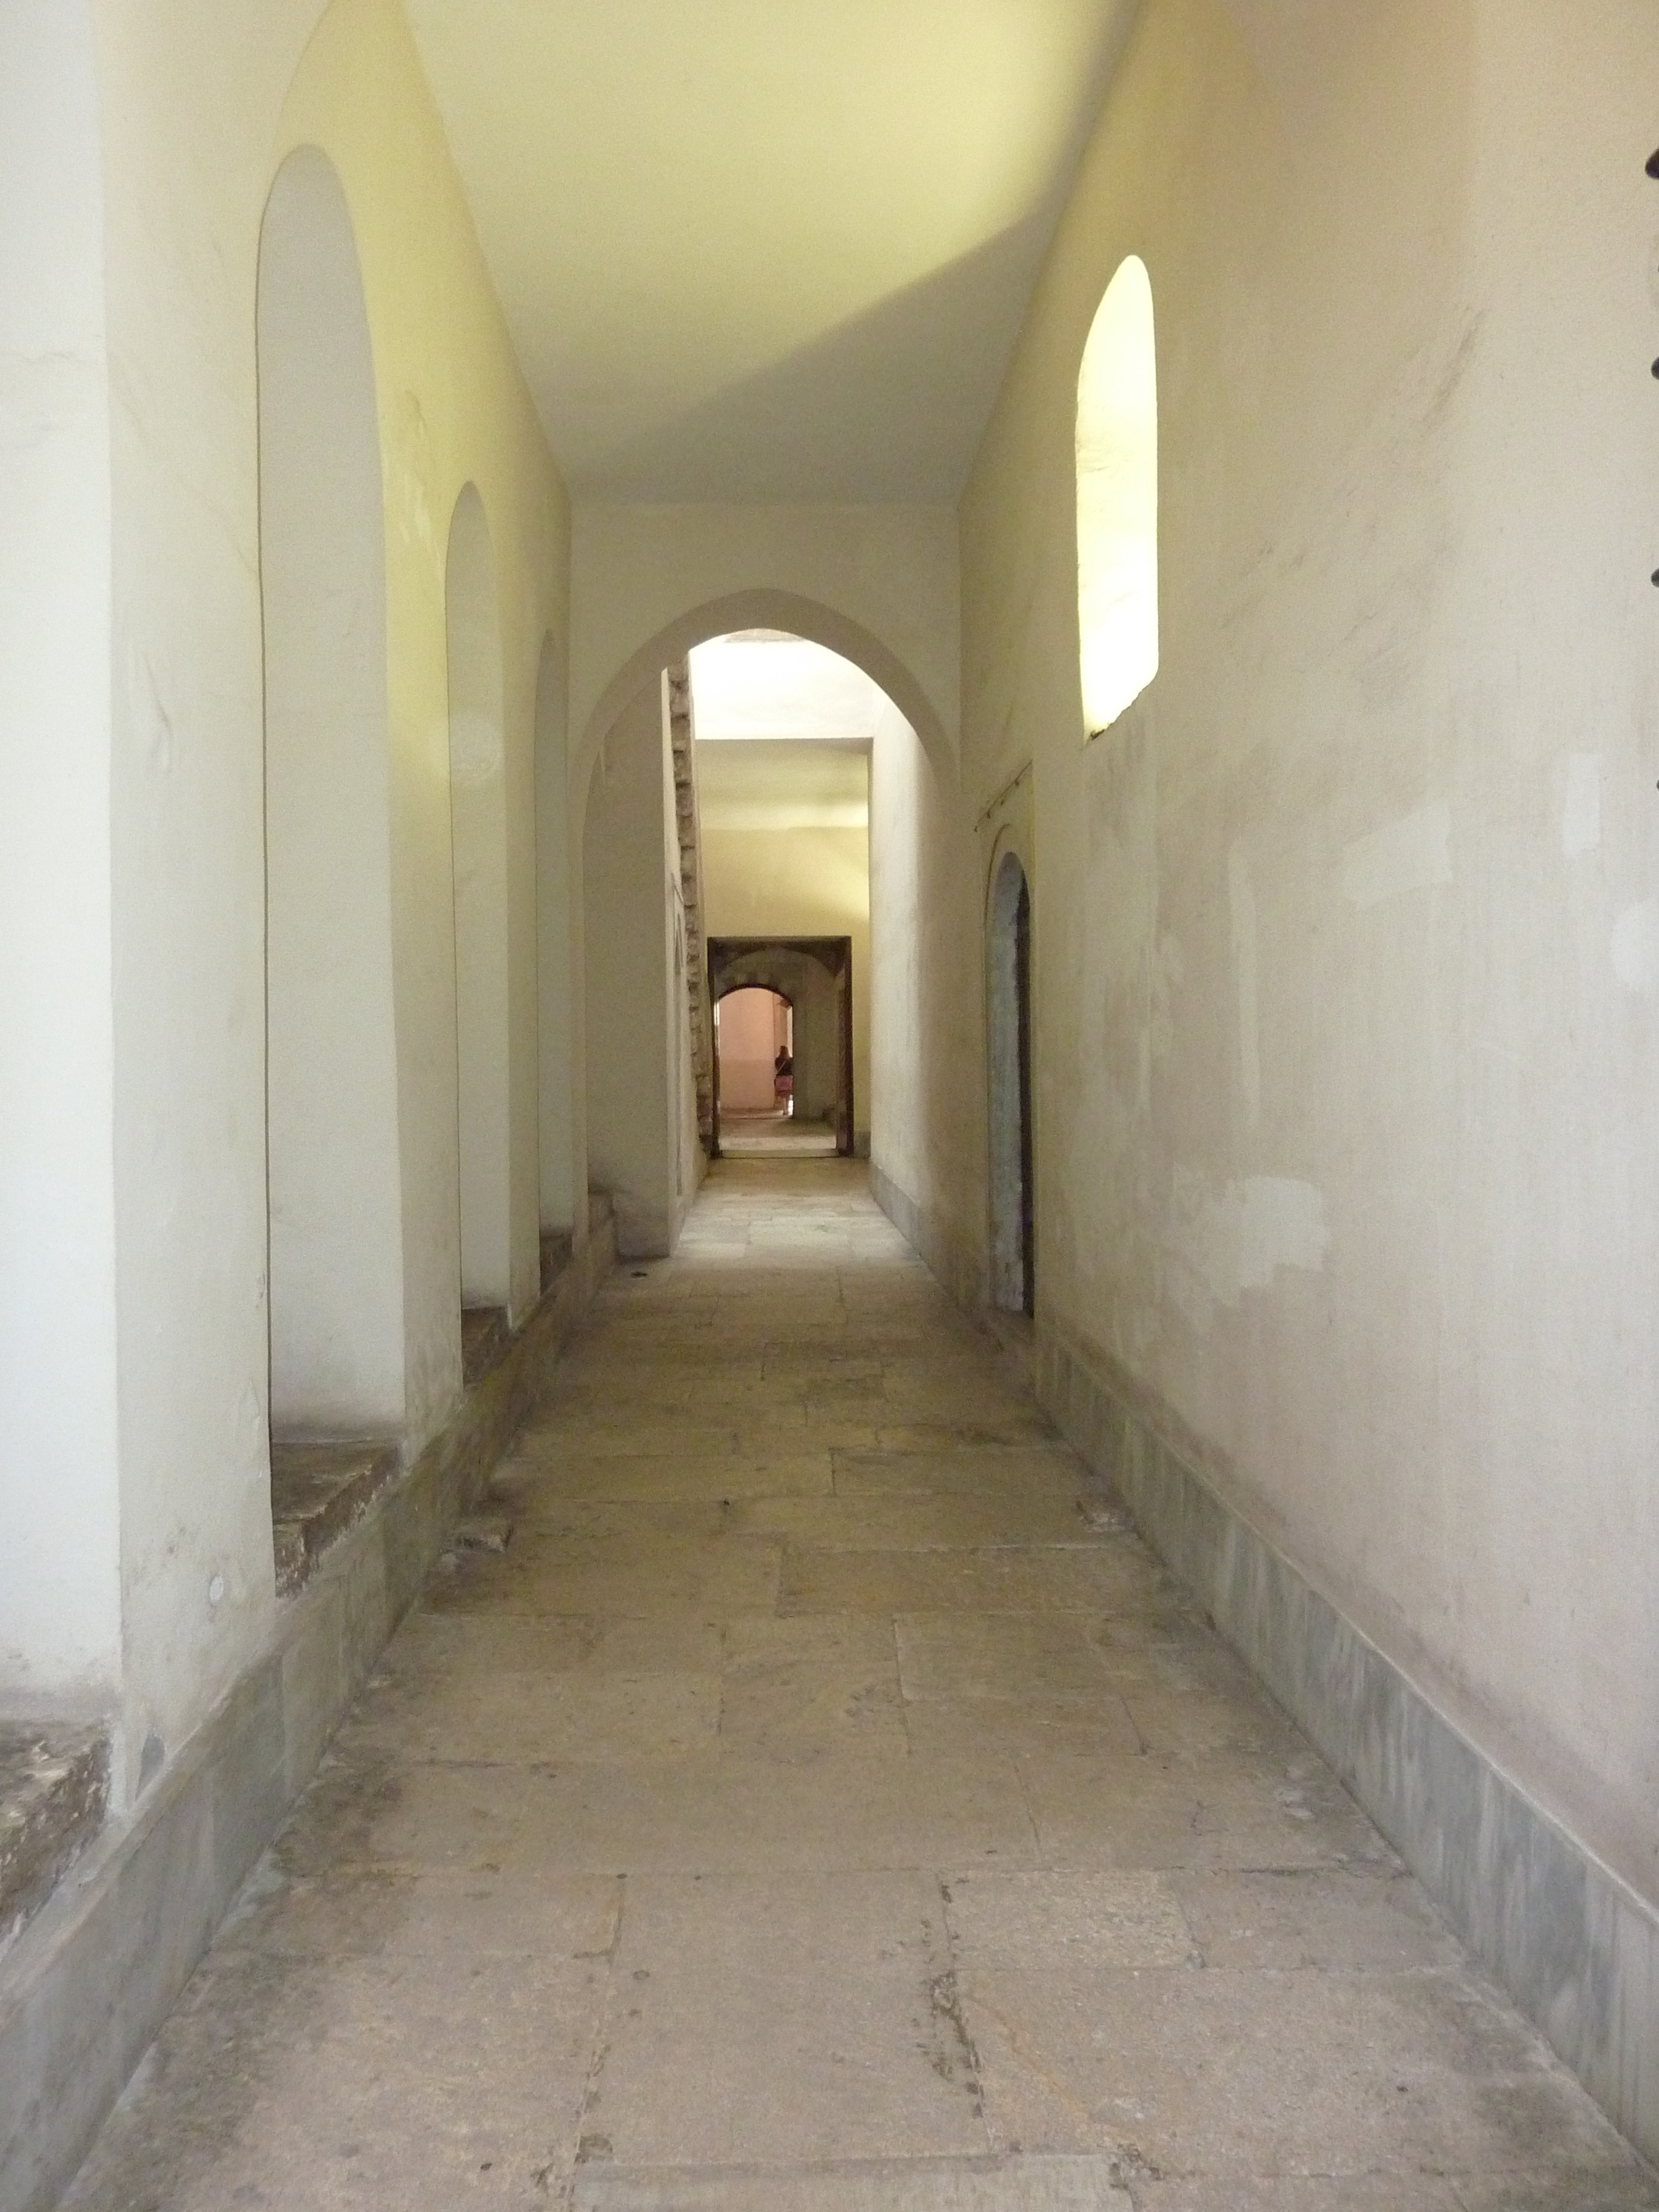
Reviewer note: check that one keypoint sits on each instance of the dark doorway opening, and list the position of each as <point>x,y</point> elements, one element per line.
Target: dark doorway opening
<point>814,974</point>
<point>1013,1209</point>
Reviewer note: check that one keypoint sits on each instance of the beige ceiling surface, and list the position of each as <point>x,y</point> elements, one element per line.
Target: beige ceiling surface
<point>766,249</point>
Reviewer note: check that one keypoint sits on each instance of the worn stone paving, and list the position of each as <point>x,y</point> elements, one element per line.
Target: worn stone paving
<point>827,1804</point>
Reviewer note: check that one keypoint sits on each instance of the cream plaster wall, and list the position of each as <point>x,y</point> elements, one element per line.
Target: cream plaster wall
<point>635,1143</point>
<point>189,152</point>
<point>560,1077</point>
<point>1348,956</point>
<point>926,1006</point>
<point>60,1618</point>
<point>477,817</point>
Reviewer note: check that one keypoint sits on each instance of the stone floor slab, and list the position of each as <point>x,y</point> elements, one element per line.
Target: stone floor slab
<point>303,2083</point>
<point>989,2185</point>
<point>826,1803</point>
<point>799,1688</point>
<point>791,2018</point>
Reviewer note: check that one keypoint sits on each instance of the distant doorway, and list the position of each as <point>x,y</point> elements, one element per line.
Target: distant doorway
<point>783,1043</point>
<point>756,1031</point>
<point>1014,1220</point>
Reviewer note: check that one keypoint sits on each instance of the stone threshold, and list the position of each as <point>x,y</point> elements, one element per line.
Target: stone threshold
<point>1575,1944</point>
<point>486,1332</point>
<point>92,1976</point>
<point>319,1488</point>
<point>54,1790</point>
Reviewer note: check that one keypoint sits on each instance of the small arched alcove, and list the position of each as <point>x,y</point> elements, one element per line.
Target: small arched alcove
<point>477,804</point>
<point>1117,500</point>
<point>336,1266</point>
<point>1014,1218</point>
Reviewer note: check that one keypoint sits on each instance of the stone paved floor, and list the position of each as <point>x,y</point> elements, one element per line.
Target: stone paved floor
<point>826,1802</point>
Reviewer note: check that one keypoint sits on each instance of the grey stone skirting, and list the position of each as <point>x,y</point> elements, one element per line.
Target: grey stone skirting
<point>89,1981</point>
<point>1575,1946</point>
<point>958,1269</point>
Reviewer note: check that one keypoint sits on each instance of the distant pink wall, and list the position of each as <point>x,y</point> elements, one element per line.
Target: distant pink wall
<point>753,1024</point>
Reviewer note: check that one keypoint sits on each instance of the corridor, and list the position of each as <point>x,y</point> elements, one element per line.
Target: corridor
<point>824,1801</point>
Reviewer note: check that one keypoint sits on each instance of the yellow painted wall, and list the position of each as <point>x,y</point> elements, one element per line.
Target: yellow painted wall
<point>1345,932</point>
<point>200,104</point>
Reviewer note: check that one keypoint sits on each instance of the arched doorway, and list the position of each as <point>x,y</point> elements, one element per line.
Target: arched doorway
<point>335,1175</point>
<point>812,976</point>
<point>755,1026</point>
<point>1013,1219</point>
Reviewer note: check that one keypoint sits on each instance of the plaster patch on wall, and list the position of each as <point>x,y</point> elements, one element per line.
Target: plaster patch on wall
<point>1241,900</point>
<point>1636,947</point>
<point>1411,854</point>
<point>1230,1241</point>
<point>1581,809</point>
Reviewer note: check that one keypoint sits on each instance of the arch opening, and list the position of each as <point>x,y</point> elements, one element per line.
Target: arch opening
<point>1117,501</point>
<point>1013,1212</point>
<point>478,812</point>
<point>805,987</point>
<point>755,1035</point>
<point>764,610</point>
<point>336,1224</point>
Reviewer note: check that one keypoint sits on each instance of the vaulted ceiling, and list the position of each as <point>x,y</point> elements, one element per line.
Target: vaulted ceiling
<point>767,249</point>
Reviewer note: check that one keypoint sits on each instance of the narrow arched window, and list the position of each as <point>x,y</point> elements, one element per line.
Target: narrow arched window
<point>1117,500</point>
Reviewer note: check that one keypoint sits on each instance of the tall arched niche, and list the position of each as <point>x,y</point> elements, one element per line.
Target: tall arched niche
<point>1008,1012</point>
<point>477,804</point>
<point>1117,500</point>
<point>336,1270</point>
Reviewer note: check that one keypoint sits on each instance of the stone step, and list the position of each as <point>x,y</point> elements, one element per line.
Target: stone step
<point>54,1788</point>
<point>321,1487</point>
<point>485,1335</point>
<point>557,1246</point>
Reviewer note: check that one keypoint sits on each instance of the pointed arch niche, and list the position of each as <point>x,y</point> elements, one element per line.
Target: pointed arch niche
<point>337,1290</point>
<point>477,804</point>
<point>1117,500</point>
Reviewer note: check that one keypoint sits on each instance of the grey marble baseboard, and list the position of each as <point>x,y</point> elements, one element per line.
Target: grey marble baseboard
<point>959,1270</point>
<point>92,1977</point>
<point>1575,1945</point>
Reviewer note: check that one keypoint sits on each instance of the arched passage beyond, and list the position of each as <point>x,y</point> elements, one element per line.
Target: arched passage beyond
<point>1008,948</point>
<point>336,1270</point>
<point>814,974</point>
<point>763,608</point>
<point>477,807</point>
